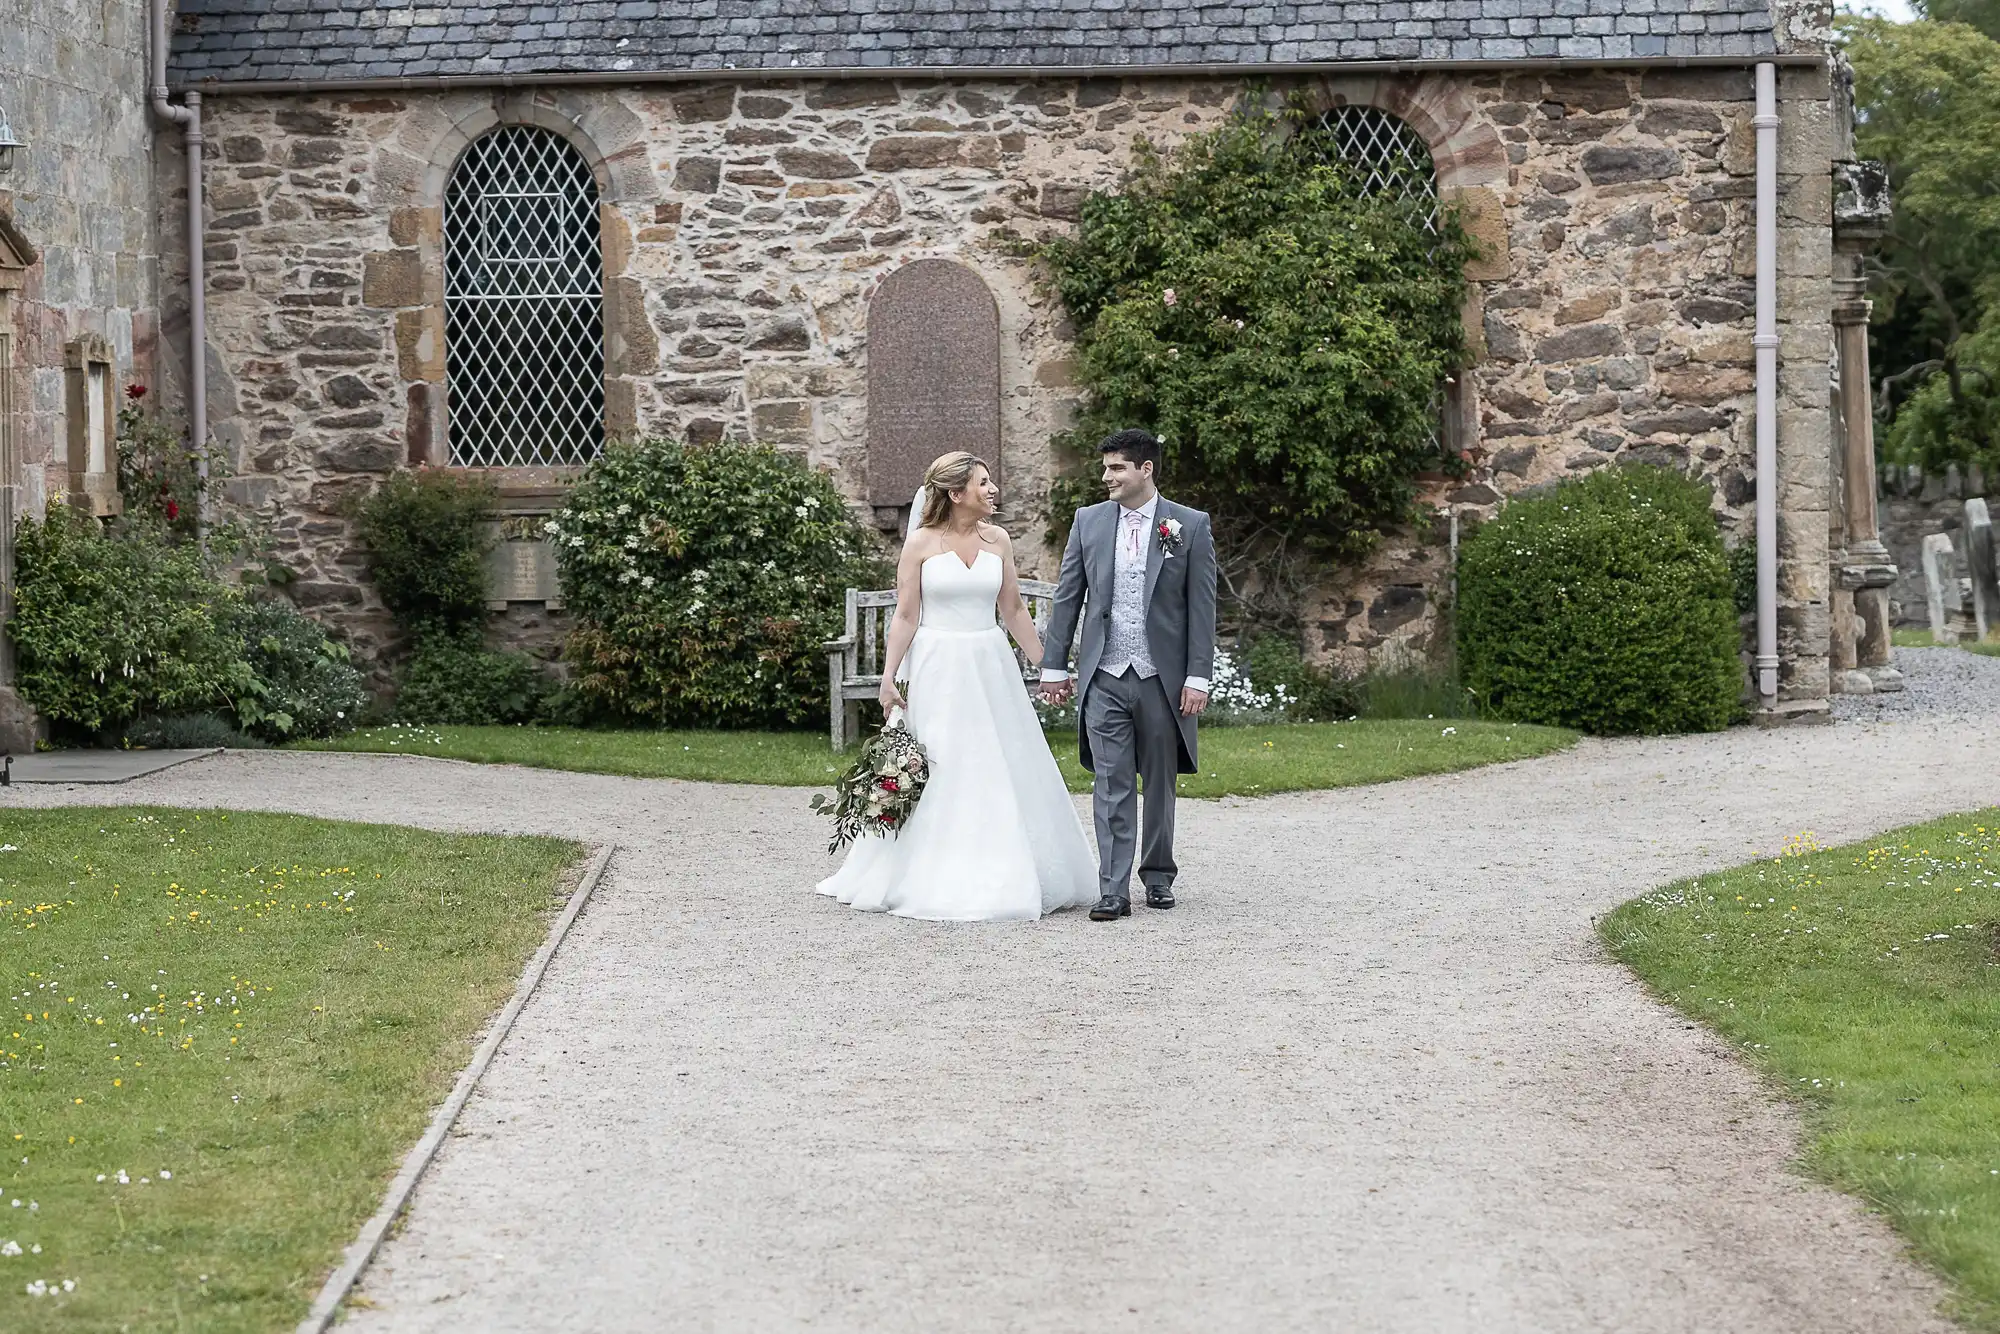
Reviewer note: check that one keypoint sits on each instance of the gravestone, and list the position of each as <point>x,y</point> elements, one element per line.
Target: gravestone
<point>1985,578</point>
<point>1941,587</point>
<point>933,375</point>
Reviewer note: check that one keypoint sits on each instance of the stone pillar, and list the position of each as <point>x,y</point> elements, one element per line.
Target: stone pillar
<point>1861,211</point>
<point>18,725</point>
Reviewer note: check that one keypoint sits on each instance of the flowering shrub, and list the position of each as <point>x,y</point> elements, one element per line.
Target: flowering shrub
<point>159,476</point>
<point>1234,698</point>
<point>1606,605</point>
<point>704,580</point>
<point>1284,333</point>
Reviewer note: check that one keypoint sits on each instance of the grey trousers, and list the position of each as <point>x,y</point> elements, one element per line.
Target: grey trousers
<point>1134,733</point>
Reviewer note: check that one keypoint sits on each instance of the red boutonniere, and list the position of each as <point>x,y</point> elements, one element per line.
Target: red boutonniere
<point>1169,533</point>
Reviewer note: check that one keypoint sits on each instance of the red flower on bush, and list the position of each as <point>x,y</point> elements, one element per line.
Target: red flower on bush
<point>135,391</point>
<point>173,510</point>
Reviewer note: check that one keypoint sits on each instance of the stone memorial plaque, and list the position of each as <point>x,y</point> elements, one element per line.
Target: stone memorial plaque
<point>522,572</point>
<point>933,375</point>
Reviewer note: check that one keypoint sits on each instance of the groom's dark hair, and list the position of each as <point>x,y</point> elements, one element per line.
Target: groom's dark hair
<point>1138,447</point>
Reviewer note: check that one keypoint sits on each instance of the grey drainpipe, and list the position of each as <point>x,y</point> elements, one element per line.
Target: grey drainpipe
<point>188,117</point>
<point>1766,344</point>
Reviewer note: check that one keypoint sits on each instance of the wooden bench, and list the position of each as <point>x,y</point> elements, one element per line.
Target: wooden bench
<point>854,661</point>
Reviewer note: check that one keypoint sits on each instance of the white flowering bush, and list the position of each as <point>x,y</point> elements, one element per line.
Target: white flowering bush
<point>1234,700</point>
<point>704,580</point>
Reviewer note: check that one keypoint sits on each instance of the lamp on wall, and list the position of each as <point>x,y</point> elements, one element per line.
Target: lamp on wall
<point>8,143</point>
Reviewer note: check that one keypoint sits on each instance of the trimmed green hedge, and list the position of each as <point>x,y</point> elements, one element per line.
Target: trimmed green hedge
<point>1607,605</point>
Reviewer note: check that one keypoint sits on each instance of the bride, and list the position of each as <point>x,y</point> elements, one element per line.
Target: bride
<point>995,836</point>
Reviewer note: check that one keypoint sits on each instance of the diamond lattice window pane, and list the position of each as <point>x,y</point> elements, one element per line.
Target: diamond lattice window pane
<point>1387,156</point>
<point>523,303</point>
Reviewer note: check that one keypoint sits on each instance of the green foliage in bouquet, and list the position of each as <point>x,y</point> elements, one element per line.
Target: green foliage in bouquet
<point>704,580</point>
<point>1606,605</point>
<point>880,790</point>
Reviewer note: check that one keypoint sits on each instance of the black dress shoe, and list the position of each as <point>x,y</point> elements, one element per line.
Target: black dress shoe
<point>1159,896</point>
<point>1111,907</point>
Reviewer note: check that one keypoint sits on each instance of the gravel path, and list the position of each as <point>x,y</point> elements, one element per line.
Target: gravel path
<point>1374,1073</point>
<point>1940,683</point>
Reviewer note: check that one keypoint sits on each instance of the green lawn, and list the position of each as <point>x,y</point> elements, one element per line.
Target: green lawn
<point>1240,761</point>
<point>1865,981</point>
<point>223,1032</point>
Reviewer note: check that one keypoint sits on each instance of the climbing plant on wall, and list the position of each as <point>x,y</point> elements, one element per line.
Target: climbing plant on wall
<point>1281,327</point>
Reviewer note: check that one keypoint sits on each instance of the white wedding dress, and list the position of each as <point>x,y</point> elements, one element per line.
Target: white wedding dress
<point>995,837</point>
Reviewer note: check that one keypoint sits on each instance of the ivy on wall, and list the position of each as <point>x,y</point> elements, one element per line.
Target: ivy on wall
<point>1285,333</point>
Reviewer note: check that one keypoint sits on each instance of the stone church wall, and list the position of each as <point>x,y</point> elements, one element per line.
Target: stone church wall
<point>746,227</point>
<point>72,80</point>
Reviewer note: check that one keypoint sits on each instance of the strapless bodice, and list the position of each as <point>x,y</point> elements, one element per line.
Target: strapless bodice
<point>960,597</point>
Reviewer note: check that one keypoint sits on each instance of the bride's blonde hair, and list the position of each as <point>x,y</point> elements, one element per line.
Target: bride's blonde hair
<point>947,473</point>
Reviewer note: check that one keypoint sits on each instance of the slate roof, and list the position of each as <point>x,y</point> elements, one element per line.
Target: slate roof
<point>236,40</point>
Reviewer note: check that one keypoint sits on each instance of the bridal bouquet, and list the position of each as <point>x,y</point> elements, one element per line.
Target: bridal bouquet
<point>880,790</point>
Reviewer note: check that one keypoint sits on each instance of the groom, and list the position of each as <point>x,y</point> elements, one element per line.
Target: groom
<point>1146,569</point>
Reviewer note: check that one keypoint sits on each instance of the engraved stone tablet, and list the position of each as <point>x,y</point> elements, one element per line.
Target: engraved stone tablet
<point>522,572</point>
<point>933,375</point>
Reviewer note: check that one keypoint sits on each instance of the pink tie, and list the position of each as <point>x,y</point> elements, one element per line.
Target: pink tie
<point>1133,521</point>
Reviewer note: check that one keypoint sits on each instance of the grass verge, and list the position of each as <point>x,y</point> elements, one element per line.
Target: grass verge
<point>1865,981</point>
<point>223,1032</point>
<point>1236,761</point>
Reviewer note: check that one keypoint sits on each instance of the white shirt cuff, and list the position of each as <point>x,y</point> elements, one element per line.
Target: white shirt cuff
<point>1196,683</point>
<point>1054,674</point>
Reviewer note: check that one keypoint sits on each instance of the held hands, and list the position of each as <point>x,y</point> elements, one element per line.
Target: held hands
<point>1057,692</point>
<point>1193,702</point>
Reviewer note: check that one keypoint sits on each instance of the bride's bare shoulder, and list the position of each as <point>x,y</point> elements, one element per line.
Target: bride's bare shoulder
<point>996,537</point>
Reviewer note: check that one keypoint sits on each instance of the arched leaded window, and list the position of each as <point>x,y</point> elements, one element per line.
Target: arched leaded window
<point>1386,155</point>
<point>523,303</point>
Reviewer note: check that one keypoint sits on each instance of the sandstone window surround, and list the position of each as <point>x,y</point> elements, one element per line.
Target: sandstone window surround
<point>91,379</point>
<point>410,277</point>
<point>578,130</point>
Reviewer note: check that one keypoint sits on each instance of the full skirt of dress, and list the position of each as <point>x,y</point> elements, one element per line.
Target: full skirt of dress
<point>995,837</point>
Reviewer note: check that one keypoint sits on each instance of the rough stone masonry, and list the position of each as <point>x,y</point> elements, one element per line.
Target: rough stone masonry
<point>746,226</point>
